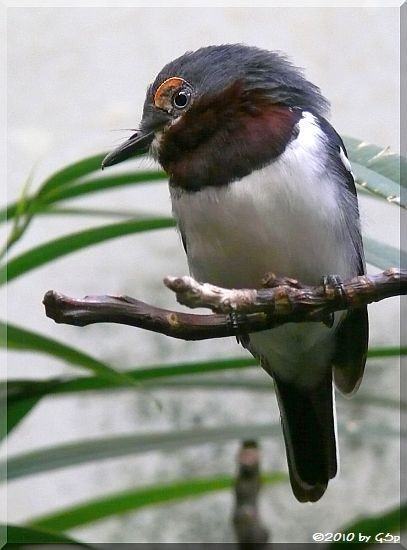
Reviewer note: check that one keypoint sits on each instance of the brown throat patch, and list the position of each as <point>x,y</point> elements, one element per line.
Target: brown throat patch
<point>225,137</point>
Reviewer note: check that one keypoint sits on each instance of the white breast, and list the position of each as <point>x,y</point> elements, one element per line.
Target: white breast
<point>285,218</point>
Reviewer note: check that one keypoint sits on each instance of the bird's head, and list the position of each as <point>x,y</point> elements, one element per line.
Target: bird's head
<point>215,114</point>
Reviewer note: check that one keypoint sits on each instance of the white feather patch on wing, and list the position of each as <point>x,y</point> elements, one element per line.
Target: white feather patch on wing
<point>345,160</point>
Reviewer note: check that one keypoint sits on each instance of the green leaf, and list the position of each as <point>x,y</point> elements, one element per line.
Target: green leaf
<point>77,189</point>
<point>378,184</point>
<point>72,172</point>
<point>216,383</point>
<point>11,415</point>
<point>20,396</point>
<point>17,534</point>
<point>377,169</point>
<point>40,255</point>
<point>378,159</point>
<point>383,255</point>
<point>93,212</point>
<point>30,388</point>
<point>60,178</point>
<point>21,389</point>
<point>392,521</point>
<point>386,351</point>
<point>23,395</point>
<point>72,454</point>
<point>127,501</point>
<point>103,183</point>
<point>21,219</point>
<point>14,337</point>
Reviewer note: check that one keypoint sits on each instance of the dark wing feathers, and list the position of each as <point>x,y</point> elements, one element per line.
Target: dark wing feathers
<point>352,335</point>
<point>351,351</point>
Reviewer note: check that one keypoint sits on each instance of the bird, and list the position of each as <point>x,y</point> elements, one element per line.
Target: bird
<point>260,182</point>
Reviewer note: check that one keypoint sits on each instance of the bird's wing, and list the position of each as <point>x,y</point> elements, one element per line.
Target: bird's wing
<point>351,351</point>
<point>353,333</point>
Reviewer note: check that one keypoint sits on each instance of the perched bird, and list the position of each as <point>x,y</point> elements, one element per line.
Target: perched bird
<point>260,181</point>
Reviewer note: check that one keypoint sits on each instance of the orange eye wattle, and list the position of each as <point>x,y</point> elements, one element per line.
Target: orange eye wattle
<point>163,97</point>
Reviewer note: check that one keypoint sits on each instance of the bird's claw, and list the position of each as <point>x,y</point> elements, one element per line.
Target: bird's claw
<point>334,282</point>
<point>233,320</point>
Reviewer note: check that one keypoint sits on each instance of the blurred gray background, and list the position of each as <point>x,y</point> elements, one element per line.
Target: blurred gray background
<point>74,76</point>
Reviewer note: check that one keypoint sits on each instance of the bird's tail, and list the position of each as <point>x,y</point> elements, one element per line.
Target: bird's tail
<point>307,416</point>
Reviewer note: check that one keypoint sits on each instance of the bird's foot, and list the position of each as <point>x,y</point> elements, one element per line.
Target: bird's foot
<point>270,280</point>
<point>233,320</point>
<point>333,285</point>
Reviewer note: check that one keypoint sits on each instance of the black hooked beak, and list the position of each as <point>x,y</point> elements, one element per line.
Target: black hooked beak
<point>137,144</point>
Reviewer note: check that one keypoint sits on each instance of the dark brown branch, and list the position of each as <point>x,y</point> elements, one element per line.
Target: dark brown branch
<point>239,311</point>
<point>246,521</point>
<point>128,311</point>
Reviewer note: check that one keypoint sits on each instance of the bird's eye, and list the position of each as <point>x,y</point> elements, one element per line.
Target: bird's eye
<point>181,99</point>
<point>172,95</point>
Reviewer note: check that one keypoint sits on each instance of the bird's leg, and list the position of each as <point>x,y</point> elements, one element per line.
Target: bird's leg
<point>233,320</point>
<point>334,282</point>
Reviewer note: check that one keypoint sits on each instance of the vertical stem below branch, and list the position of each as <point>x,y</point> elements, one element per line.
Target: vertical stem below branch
<point>246,521</point>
